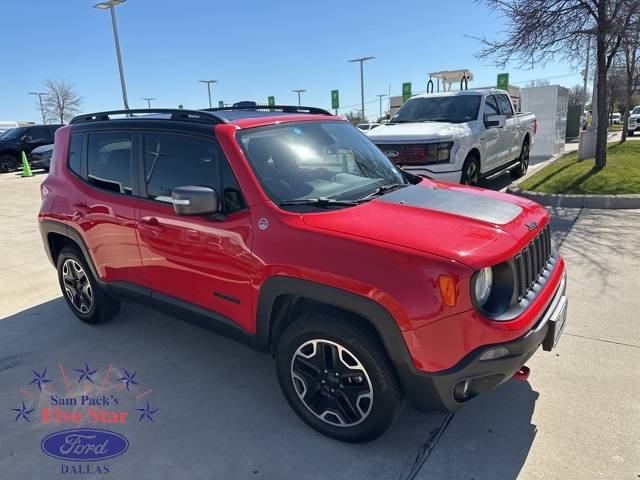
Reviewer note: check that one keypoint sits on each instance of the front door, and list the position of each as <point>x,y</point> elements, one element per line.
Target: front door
<point>201,260</point>
<point>492,136</point>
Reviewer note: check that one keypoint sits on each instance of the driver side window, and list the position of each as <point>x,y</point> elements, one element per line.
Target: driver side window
<point>490,107</point>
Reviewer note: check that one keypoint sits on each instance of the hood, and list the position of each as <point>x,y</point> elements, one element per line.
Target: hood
<point>472,226</point>
<point>419,131</point>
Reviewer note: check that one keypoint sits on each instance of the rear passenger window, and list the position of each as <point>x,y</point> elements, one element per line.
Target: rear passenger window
<point>174,160</point>
<point>109,161</point>
<point>505,105</point>
<point>75,153</point>
<point>40,134</point>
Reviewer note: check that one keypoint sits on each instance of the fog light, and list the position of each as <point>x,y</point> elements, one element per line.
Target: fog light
<point>493,353</point>
<point>461,392</point>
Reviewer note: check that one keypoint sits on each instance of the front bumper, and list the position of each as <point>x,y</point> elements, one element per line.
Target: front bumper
<point>451,177</point>
<point>438,392</point>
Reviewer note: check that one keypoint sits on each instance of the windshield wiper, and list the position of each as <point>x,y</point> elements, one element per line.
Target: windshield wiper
<point>319,202</point>
<point>387,187</point>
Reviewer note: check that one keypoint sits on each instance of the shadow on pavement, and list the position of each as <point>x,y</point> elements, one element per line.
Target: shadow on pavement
<point>505,179</point>
<point>221,413</point>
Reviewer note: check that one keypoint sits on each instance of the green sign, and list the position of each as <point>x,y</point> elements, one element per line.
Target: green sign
<point>271,101</point>
<point>406,91</point>
<point>335,99</point>
<point>503,81</point>
<point>221,104</point>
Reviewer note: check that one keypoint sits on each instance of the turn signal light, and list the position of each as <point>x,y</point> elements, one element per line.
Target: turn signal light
<point>448,290</point>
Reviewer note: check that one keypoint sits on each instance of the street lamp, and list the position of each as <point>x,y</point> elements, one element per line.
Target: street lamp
<point>361,60</point>
<point>209,82</point>
<point>111,4</point>
<point>148,99</point>
<point>299,91</point>
<point>40,94</point>
<point>381,96</point>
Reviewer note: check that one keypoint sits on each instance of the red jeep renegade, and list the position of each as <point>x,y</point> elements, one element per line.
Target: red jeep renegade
<point>287,228</point>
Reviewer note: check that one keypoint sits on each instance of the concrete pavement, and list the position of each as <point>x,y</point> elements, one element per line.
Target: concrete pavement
<point>221,414</point>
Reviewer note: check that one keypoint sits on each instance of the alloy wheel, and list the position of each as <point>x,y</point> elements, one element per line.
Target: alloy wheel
<point>471,174</point>
<point>525,158</point>
<point>77,286</point>
<point>332,383</point>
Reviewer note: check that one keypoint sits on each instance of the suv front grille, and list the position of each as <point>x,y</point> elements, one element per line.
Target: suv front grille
<point>531,262</point>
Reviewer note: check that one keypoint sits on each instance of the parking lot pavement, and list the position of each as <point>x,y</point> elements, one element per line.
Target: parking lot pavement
<point>221,414</point>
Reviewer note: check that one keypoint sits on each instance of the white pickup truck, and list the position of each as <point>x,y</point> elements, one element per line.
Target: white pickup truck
<point>461,136</point>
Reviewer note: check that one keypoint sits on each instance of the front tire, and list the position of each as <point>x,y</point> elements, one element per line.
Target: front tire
<point>8,163</point>
<point>81,291</point>
<point>520,170</point>
<point>631,133</point>
<point>470,172</point>
<point>337,378</point>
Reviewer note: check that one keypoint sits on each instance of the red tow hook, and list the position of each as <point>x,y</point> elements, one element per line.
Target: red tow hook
<point>523,374</point>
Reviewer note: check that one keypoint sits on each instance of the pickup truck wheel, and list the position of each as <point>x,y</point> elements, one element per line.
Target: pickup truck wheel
<point>8,163</point>
<point>337,378</point>
<point>470,171</point>
<point>520,170</point>
<point>631,133</point>
<point>81,291</point>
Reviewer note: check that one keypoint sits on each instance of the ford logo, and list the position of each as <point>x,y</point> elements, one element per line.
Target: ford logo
<point>392,153</point>
<point>84,445</point>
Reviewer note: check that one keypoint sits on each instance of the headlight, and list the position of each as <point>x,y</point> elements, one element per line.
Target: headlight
<point>483,285</point>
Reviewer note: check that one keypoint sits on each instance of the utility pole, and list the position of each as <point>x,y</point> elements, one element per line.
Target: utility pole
<point>299,91</point>
<point>361,60</point>
<point>111,4</point>
<point>381,96</point>
<point>40,94</point>
<point>148,99</point>
<point>208,82</point>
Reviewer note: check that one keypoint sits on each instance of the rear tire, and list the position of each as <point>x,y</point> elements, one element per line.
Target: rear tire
<point>337,378</point>
<point>470,171</point>
<point>630,133</point>
<point>8,163</point>
<point>84,296</point>
<point>520,170</point>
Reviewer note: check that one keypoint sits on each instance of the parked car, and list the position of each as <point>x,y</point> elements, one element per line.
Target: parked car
<point>366,127</point>
<point>616,118</point>
<point>288,229</point>
<point>23,139</point>
<point>7,125</point>
<point>41,157</point>
<point>459,137</point>
<point>634,121</point>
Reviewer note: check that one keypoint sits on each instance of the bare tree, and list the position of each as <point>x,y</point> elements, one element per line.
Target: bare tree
<point>540,30</point>
<point>577,95</point>
<point>354,118</point>
<point>62,102</point>
<point>630,53</point>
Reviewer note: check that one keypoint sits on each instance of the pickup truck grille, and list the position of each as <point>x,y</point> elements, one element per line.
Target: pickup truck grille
<point>531,262</point>
<point>405,154</point>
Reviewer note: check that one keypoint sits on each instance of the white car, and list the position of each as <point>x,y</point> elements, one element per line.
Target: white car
<point>458,137</point>
<point>367,127</point>
<point>616,118</point>
<point>634,121</point>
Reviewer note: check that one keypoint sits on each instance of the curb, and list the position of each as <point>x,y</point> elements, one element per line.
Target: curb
<point>579,201</point>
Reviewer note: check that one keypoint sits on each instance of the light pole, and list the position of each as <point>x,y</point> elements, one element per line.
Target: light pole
<point>40,94</point>
<point>111,4</point>
<point>209,82</point>
<point>148,99</point>
<point>299,91</point>
<point>381,96</point>
<point>361,60</point>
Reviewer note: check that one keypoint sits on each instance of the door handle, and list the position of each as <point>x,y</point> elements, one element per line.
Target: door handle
<point>150,224</point>
<point>80,209</point>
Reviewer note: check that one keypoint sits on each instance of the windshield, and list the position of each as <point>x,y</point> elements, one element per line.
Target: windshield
<point>636,111</point>
<point>455,109</point>
<point>311,160</point>
<point>12,134</point>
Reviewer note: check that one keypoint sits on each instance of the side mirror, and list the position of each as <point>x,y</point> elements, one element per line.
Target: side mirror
<point>495,121</point>
<point>192,200</point>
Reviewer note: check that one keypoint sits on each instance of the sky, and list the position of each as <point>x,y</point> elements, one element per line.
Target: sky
<point>253,48</point>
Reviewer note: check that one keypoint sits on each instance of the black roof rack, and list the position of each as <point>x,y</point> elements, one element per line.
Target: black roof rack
<point>281,108</point>
<point>176,114</point>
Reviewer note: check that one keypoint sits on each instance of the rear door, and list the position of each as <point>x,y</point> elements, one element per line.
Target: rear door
<point>510,134</point>
<point>200,260</point>
<point>103,203</point>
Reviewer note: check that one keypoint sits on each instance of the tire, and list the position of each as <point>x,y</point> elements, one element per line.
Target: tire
<point>8,163</point>
<point>470,171</point>
<point>86,299</point>
<point>630,133</point>
<point>357,396</point>
<point>520,170</point>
